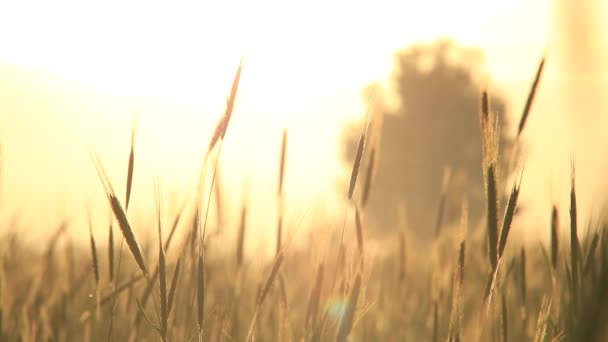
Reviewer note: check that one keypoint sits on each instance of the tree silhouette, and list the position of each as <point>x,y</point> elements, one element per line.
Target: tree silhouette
<point>433,127</point>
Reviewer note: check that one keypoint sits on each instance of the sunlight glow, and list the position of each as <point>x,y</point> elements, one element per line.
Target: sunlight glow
<point>75,73</point>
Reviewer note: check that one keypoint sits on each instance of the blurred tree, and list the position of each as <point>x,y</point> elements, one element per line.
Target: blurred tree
<point>433,127</point>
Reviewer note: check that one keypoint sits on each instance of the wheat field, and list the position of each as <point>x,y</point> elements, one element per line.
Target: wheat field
<point>469,284</point>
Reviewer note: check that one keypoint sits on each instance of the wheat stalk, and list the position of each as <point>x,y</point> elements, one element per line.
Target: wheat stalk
<point>554,237</point>
<point>173,285</point>
<point>93,248</point>
<point>241,236</point>
<point>531,95</point>
<point>509,213</point>
<point>120,214</point>
<point>164,312</point>
<point>200,291</point>
<point>346,324</point>
<point>111,253</point>
<point>222,125</point>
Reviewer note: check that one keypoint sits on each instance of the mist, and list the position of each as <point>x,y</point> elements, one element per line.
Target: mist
<point>568,120</point>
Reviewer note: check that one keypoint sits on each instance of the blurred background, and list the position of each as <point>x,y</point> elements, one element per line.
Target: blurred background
<point>75,74</point>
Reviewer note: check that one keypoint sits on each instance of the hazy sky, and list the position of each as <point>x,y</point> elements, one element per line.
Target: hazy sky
<point>74,73</point>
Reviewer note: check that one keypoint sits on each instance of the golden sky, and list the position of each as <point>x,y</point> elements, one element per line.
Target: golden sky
<point>74,73</point>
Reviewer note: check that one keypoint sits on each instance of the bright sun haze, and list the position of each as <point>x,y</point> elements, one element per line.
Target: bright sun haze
<point>406,91</point>
<point>74,74</point>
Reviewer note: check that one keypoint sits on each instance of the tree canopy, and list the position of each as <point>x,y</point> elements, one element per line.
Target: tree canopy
<point>433,127</point>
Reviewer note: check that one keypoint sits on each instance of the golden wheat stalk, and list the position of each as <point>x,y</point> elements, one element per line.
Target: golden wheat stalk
<point>355,170</point>
<point>222,125</point>
<point>371,166</point>
<point>273,273</point>
<point>531,95</point>
<point>131,165</point>
<point>575,253</point>
<point>93,248</point>
<point>489,150</point>
<point>111,253</point>
<point>282,161</point>
<point>554,237</point>
<point>359,230</point>
<point>509,214</point>
<point>240,247</point>
<point>120,214</point>
<point>164,312</point>
<point>200,291</point>
<point>447,175</point>
<point>263,293</point>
